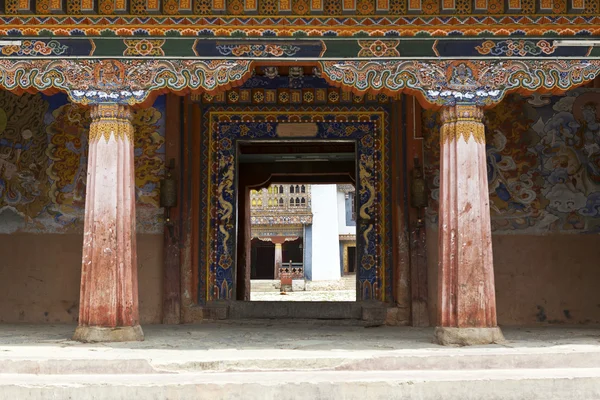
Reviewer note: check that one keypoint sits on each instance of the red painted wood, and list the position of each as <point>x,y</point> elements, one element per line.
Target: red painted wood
<point>171,252</point>
<point>109,285</point>
<point>466,277</point>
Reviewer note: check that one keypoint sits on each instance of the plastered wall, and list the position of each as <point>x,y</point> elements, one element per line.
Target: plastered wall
<point>550,279</point>
<point>40,275</point>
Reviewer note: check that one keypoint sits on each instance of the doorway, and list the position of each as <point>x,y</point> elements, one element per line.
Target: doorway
<point>352,260</point>
<point>306,229</point>
<point>312,155</point>
<point>295,215</point>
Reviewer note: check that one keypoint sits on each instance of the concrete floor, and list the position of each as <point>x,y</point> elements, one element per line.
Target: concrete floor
<point>288,336</point>
<point>343,289</point>
<point>291,360</point>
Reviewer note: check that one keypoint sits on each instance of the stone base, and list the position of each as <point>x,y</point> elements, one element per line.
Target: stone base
<point>467,336</point>
<point>91,334</point>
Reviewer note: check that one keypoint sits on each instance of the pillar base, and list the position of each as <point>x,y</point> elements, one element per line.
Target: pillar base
<point>447,336</point>
<point>91,334</point>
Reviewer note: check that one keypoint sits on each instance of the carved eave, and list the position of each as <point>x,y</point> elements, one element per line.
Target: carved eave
<point>133,82</point>
<point>346,188</point>
<point>236,18</point>
<point>347,238</point>
<point>434,82</point>
<point>480,82</point>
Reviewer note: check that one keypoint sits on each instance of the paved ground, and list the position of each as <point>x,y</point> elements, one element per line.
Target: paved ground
<point>285,335</point>
<point>332,295</point>
<point>339,290</point>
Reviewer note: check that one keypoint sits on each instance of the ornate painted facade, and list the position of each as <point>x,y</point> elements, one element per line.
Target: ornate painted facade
<point>98,80</point>
<point>301,17</point>
<point>280,210</point>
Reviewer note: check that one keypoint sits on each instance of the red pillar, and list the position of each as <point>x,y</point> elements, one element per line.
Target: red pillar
<point>466,294</point>
<point>108,308</point>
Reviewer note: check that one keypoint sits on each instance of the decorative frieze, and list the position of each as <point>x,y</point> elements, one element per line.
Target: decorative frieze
<point>435,82</point>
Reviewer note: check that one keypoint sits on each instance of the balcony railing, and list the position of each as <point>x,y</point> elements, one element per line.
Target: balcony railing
<point>292,270</point>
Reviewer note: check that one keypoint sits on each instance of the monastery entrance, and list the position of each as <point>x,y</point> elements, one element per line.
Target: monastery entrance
<point>342,147</point>
<point>161,116</point>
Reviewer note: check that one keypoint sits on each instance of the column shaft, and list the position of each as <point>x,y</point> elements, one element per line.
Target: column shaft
<point>466,294</point>
<point>278,258</point>
<point>108,309</point>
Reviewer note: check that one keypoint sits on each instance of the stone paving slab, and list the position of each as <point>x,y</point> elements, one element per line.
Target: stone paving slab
<point>265,339</point>
<point>333,295</point>
<point>556,384</point>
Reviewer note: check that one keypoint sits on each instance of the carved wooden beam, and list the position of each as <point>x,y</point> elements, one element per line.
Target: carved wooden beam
<point>133,82</point>
<point>436,83</point>
<point>481,82</point>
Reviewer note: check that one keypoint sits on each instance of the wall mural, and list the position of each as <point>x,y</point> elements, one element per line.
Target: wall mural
<point>543,156</point>
<point>43,164</point>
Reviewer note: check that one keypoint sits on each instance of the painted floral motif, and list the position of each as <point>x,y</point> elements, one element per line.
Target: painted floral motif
<point>34,48</point>
<point>144,47</point>
<point>378,48</point>
<point>258,50</point>
<point>510,48</point>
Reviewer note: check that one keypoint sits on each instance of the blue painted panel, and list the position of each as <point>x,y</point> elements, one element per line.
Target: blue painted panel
<point>349,203</point>
<point>308,252</point>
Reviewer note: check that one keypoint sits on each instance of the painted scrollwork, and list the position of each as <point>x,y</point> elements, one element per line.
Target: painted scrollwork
<point>126,81</point>
<point>482,82</point>
<point>437,82</point>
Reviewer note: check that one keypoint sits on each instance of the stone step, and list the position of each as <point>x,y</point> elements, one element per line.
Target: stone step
<point>81,361</point>
<point>531,384</point>
<point>296,309</point>
<point>264,286</point>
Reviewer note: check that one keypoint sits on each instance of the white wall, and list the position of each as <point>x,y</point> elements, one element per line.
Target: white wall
<point>325,236</point>
<point>343,229</point>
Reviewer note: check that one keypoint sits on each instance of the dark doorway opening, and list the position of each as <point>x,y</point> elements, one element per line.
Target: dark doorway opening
<point>351,260</point>
<point>263,264</point>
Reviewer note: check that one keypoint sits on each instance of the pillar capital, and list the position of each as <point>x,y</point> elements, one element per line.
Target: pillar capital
<point>111,119</point>
<point>462,121</point>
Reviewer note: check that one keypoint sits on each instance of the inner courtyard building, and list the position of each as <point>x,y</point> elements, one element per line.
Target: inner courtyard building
<point>159,158</point>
